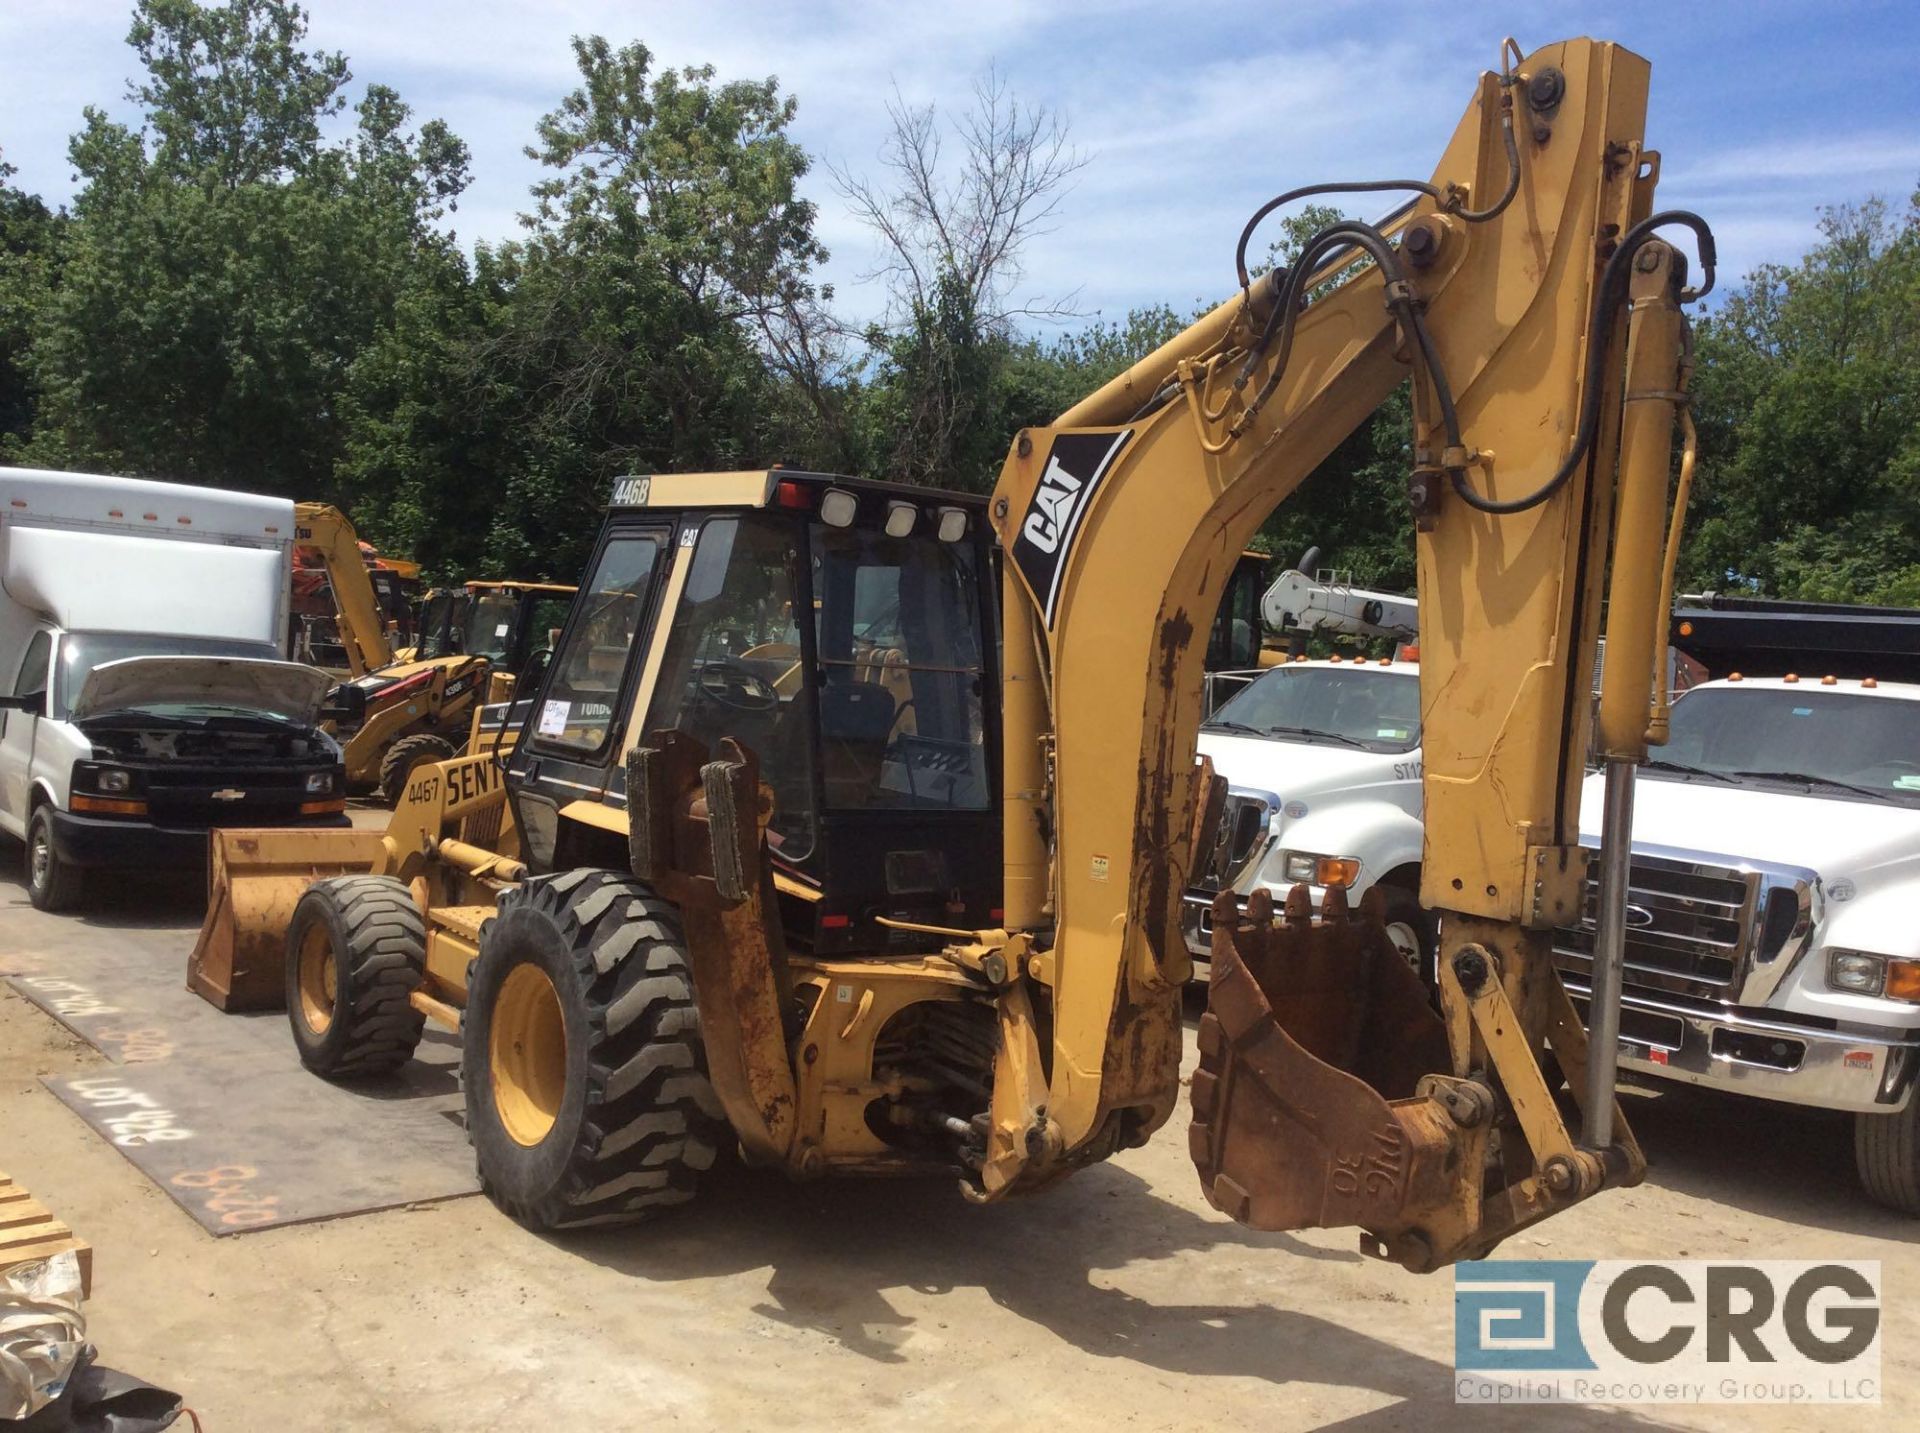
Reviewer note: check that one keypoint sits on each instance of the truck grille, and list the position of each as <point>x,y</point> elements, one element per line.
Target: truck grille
<point>1696,928</point>
<point>1243,821</point>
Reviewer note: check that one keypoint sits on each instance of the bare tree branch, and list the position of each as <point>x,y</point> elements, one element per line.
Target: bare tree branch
<point>1016,166</point>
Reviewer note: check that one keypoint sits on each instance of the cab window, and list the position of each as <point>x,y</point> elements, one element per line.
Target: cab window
<point>489,626</point>
<point>732,665</point>
<point>548,617</point>
<point>583,689</point>
<point>898,633</point>
<point>32,676</point>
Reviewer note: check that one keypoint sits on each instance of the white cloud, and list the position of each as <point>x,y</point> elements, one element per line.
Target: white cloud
<point>1192,115</point>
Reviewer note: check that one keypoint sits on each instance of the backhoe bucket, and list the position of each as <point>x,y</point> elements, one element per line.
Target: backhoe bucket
<point>1308,1106</point>
<point>254,880</point>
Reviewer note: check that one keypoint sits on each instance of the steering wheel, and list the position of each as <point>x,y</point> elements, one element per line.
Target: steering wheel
<point>738,688</point>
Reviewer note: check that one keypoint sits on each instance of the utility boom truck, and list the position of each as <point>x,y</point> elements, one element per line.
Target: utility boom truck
<point>795,858</point>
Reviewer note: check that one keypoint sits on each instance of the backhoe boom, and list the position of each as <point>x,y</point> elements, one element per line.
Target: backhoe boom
<point>1123,522</point>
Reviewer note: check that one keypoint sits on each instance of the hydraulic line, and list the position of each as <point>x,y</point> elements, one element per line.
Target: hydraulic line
<point>1449,200</point>
<point>1607,304</point>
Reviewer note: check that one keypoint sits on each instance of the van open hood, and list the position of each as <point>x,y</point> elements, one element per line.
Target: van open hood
<point>282,689</point>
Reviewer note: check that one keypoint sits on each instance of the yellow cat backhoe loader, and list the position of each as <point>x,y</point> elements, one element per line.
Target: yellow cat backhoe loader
<point>399,712</point>
<point>813,849</point>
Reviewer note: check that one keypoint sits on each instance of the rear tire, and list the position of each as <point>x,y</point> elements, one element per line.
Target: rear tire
<point>404,756</point>
<point>586,1084</point>
<point>1886,1149</point>
<point>52,885</point>
<point>356,948</point>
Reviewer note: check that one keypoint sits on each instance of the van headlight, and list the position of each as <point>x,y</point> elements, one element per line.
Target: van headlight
<point>319,782</point>
<point>1860,972</point>
<point>112,780</point>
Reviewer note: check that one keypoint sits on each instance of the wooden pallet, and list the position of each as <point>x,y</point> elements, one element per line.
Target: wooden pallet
<point>28,1231</point>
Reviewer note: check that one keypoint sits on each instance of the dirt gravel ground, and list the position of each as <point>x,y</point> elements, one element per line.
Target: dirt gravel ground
<point>1118,1299</point>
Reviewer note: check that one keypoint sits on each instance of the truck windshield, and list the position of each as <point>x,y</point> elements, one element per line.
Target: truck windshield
<point>1843,744</point>
<point>1351,706</point>
<point>81,652</point>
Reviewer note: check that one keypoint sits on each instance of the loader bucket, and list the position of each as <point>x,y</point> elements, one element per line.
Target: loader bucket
<point>254,880</point>
<point>1307,1108</point>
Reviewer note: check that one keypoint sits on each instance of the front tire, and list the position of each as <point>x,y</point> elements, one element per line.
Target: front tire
<point>356,948</point>
<point>52,885</point>
<point>1886,1150</point>
<point>406,756</point>
<point>1412,932</point>
<point>586,1085</point>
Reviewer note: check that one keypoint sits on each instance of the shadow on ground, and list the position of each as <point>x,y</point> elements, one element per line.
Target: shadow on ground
<point>837,1250</point>
<point>1782,1162</point>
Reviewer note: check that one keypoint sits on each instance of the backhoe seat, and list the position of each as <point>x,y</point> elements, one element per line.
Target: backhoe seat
<point>856,723</point>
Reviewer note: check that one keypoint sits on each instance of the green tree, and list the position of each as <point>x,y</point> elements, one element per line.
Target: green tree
<point>225,268</point>
<point>30,246</point>
<point>946,389</point>
<point>1809,413</point>
<point>665,278</point>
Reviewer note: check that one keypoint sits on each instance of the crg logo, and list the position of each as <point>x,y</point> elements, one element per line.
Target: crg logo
<point>1075,465</point>
<point>1678,1331</point>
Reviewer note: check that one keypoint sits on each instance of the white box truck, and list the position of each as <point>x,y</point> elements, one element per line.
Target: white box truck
<point>144,697</point>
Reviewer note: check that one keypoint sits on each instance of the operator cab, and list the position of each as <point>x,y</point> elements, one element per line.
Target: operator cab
<point>842,630</point>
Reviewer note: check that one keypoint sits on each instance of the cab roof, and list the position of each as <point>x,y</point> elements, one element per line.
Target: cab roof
<point>1365,664</point>
<point>756,489</point>
<point>477,587</point>
<point>1862,686</point>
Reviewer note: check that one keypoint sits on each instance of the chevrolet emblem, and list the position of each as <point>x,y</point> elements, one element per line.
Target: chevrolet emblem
<point>228,793</point>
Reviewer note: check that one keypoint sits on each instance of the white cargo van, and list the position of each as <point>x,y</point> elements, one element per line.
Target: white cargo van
<point>143,694</point>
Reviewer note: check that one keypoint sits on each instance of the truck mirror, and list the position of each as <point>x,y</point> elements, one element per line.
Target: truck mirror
<point>34,702</point>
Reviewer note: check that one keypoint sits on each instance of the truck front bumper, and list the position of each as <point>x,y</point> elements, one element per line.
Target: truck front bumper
<point>1768,1057</point>
<point>110,843</point>
<point>1196,914</point>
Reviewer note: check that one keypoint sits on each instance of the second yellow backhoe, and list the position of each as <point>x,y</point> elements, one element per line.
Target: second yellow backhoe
<point>819,848</point>
<point>396,713</point>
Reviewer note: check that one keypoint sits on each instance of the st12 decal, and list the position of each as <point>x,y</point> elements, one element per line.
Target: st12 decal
<point>1075,465</point>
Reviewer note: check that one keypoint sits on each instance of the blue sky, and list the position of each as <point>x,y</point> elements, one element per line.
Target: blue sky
<point>1191,114</point>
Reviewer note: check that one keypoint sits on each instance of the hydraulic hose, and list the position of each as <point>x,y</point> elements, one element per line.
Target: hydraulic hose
<point>1613,281</point>
<point>1448,199</point>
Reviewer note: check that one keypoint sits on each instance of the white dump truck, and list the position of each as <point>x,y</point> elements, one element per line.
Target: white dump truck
<point>1772,945</point>
<point>143,693</point>
<point>1772,948</point>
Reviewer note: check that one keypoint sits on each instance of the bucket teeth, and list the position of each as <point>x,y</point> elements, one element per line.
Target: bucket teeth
<point>1316,1036</point>
<point>1299,908</point>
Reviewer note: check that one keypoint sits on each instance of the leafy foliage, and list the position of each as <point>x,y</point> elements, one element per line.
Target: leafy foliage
<point>31,238</point>
<point>237,299</point>
<point>1809,410</point>
<point>224,269</point>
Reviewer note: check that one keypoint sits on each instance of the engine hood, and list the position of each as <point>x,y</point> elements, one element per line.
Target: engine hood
<point>1790,828</point>
<point>282,689</point>
<point>1298,770</point>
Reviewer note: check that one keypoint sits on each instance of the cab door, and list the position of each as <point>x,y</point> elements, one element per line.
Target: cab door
<point>17,730</point>
<point>570,744</point>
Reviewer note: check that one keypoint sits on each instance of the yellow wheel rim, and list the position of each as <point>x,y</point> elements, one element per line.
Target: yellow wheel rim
<point>317,978</point>
<point>527,1053</point>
